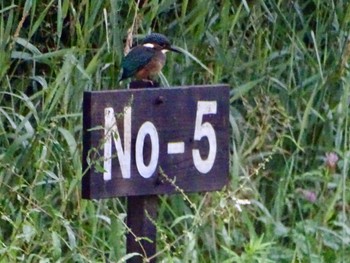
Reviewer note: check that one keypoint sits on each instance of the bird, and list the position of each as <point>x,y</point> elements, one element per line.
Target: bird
<point>146,60</point>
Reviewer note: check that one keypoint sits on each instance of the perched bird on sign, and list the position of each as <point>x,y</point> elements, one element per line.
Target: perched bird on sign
<point>145,61</point>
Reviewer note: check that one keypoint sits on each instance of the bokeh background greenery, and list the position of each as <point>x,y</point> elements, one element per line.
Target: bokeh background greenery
<point>287,63</point>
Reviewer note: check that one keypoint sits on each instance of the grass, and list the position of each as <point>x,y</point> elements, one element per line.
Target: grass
<point>288,65</point>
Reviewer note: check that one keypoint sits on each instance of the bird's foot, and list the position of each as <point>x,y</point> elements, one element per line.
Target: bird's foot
<point>148,81</point>
<point>143,83</point>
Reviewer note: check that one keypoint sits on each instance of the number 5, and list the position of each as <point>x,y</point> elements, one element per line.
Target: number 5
<point>205,130</point>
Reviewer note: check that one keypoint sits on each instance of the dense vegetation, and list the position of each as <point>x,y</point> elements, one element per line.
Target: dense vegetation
<point>288,65</point>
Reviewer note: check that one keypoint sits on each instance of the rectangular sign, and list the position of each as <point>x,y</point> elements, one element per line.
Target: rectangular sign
<point>155,141</point>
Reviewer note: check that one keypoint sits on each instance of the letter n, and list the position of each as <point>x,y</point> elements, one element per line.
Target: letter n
<point>111,131</point>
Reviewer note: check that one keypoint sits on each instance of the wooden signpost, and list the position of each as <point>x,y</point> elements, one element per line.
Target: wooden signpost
<point>145,142</point>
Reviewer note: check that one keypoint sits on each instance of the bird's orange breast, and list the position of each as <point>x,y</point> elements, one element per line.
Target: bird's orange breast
<point>152,68</point>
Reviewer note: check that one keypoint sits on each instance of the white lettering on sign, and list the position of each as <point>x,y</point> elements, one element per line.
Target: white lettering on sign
<point>201,130</point>
<point>205,130</point>
<point>147,128</point>
<point>111,131</point>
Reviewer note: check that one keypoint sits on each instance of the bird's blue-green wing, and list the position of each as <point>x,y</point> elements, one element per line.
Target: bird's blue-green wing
<point>137,58</point>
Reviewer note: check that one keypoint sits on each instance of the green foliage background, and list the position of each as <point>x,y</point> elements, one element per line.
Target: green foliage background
<point>288,65</point>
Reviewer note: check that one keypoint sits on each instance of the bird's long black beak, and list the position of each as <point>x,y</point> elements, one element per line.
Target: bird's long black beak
<point>173,48</point>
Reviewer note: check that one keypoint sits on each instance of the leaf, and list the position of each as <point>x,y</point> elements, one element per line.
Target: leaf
<point>238,92</point>
<point>71,235</point>
<point>187,53</point>
<point>70,140</point>
<point>56,245</point>
<point>128,256</point>
<point>28,232</point>
<point>181,218</point>
<point>27,45</point>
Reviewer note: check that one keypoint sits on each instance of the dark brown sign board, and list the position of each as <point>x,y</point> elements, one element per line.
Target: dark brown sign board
<point>155,141</point>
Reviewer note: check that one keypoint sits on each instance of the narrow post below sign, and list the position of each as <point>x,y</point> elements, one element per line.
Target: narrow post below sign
<point>154,141</point>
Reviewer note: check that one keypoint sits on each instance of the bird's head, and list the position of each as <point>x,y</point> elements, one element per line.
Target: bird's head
<point>159,42</point>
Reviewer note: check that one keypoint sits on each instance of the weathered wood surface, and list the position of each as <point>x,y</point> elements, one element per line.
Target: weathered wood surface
<point>142,215</point>
<point>173,112</point>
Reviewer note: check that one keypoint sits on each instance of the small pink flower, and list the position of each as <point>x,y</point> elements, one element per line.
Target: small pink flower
<point>331,161</point>
<point>307,195</point>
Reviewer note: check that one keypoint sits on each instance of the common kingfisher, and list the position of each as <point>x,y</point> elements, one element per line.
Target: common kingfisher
<point>147,59</point>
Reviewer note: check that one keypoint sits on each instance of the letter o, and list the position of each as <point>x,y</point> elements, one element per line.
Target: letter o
<point>147,128</point>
